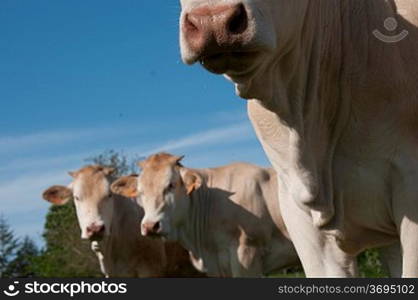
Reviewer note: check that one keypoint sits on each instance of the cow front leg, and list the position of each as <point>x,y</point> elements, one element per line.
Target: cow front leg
<point>246,261</point>
<point>409,242</point>
<point>95,247</point>
<point>319,253</point>
<point>405,211</point>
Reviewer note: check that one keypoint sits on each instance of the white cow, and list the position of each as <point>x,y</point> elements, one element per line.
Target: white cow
<point>111,223</point>
<point>227,217</point>
<point>333,97</point>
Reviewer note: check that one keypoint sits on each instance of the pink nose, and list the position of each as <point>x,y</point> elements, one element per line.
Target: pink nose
<point>151,228</point>
<point>95,231</point>
<point>207,29</point>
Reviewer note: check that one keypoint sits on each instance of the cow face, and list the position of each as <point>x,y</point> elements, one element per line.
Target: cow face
<point>90,190</point>
<point>238,37</point>
<point>162,192</point>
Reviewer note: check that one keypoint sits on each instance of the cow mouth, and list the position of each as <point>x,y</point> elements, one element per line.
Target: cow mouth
<point>233,63</point>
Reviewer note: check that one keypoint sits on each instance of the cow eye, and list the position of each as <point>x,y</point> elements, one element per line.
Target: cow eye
<point>170,187</point>
<point>76,198</point>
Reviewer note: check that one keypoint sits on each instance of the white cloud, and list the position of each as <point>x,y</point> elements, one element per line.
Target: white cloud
<point>63,137</point>
<point>242,152</point>
<point>28,164</point>
<point>22,204</point>
<point>23,194</point>
<point>229,134</point>
<point>42,138</point>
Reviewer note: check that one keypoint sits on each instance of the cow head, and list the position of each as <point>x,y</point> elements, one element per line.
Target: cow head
<point>163,190</point>
<point>93,201</point>
<point>239,37</point>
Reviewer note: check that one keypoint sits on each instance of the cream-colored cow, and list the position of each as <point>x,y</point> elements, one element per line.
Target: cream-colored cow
<point>111,222</point>
<point>227,217</point>
<point>333,97</point>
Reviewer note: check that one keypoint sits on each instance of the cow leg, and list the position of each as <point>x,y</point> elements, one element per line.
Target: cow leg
<point>95,247</point>
<point>409,241</point>
<point>246,262</point>
<point>405,211</point>
<point>408,231</point>
<point>319,254</point>
<point>391,258</point>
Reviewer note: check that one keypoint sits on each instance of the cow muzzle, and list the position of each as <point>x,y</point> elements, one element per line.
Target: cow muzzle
<point>151,229</point>
<point>210,32</point>
<point>95,232</point>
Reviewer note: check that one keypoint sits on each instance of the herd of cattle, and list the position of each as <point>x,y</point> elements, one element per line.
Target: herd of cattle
<point>336,111</point>
<point>228,219</point>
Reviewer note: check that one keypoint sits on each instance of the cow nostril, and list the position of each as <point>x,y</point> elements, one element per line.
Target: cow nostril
<point>190,25</point>
<point>156,227</point>
<point>238,23</point>
<point>96,229</point>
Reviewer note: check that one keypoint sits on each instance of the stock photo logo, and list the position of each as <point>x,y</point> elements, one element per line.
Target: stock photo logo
<point>391,25</point>
<point>65,288</point>
<point>11,290</point>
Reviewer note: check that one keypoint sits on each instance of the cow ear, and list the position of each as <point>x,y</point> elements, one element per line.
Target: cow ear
<point>108,171</point>
<point>177,159</point>
<point>126,186</point>
<point>73,174</point>
<point>58,195</point>
<point>192,181</point>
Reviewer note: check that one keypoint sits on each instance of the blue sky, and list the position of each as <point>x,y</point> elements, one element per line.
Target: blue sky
<point>81,77</point>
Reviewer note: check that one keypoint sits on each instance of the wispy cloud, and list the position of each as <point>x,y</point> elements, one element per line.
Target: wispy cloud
<point>62,137</point>
<point>39,163</point>
<point>11,143</point>
<point>23,194</point>
<point>229,134</point>
<point>22,204</point>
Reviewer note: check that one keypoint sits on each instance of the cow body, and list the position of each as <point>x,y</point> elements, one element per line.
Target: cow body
<point>111,224</point>
<point>230,223</point>
<point>336,111</point>
<point>234,227</point>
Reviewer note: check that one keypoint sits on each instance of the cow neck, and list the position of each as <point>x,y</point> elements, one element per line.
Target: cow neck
<point>115,246</point>
<point>302,89</point>
<point>310,89</point>
<point>196,230</point>
<point>303,83</point>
